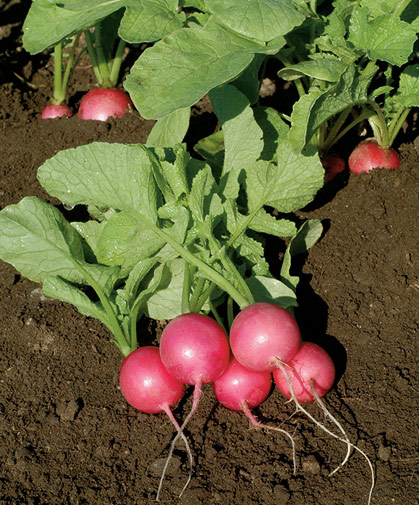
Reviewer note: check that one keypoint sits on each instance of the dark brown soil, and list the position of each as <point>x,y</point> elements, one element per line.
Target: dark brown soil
<point>69,438</point>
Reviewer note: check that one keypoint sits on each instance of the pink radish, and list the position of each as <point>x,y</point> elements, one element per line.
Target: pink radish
<point>194,349</point>
<point>53,111</point>
<point>311,368</point>
<point>262,335</point>
<point>308,377</point>
<point>369,155</point>
<point>242,389</point>
<point>102,103</point>
<point>148,387</point>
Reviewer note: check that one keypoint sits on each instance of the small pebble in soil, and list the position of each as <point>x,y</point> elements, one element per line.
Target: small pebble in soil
<point>68,410</point>
<point>281,494</point>
<point>384,452</point>
<point>157,466</point>
<point>310,465</point>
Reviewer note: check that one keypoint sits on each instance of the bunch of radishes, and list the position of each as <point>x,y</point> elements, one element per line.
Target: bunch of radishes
<point>195,350</point>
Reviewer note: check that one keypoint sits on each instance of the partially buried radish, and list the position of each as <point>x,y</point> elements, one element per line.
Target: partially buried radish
<point>369,155</point>
<point>194,349</point>
<point>332,165</point>
<point>148,387</point>
<point>263,335</point>
<point>53,111</point>
<point>242,389</point>
<point>102,103</point>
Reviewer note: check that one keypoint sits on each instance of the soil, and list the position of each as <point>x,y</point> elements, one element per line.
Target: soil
<point>69,438</point>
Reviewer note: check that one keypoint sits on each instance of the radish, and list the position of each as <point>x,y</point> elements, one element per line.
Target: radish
<point>311,368</point>
<point>194,349</point>
<point>333,165</point>
<point>55,110</point>
<point>263,335</point>
<point>102,103</point>
<point>242,389</point>
<point>369,155</point>
<point>308,377</point>
<point>148,387</point>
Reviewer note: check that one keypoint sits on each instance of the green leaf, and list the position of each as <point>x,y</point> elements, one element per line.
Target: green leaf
<point>408,91</point>
<point>212,149</point>
<point>324,69</point>
<point>170,130</point>
<point>258,19</point>
<point>273,128</point>
<point>384,37</point>
<point>269,289</point>
<point>150,20</point>
<point>263,222</point>
<point>182,67</point>
<point>105,175</point>
<point>60,289</point>
<point>49,22</point>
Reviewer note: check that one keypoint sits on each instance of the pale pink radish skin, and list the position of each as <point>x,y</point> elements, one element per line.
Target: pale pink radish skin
<point>148,387</point>
<point>101,103</point>
<point>146,384</point>
<point>369,155</point>
<point>53,111</point>
<point>333,165</point>
<point>242,389</point>
<point>194,349</point>
<point>262,335</point>
<point>311,367</point>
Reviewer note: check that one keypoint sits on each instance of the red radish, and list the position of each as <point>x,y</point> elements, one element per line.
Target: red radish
<point>53,111</point>
<point>102,103</point>
<point>242,389</point>
<point>333,165</point>
<point>148,386</point>
<point>311,367</point>
<point>194,349</point>
<point>307,377</point>
<point>262,335</point>
<point>369,155</point>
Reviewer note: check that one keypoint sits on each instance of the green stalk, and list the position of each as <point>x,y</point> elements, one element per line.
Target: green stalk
<point>58,69</point>
<point>382,130</point>
<point>199,286</point>
<point>362,117</point>
<point>186,289</point>
<point>103,65</point>
<point>209,272</point>
<point>69,68</point>
<point>217,316</point>
<point>400,7</point>
<point>117,61</point>
<point>205,296</point>
<point>230,311</point>
<point>114,325</point>
<point>396,124</point>
<point>337,125</point>
<point>93,58</point>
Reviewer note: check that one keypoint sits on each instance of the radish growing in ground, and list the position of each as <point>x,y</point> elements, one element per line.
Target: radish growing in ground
<point>308,377</point>
<point>194,349</point>
<point>263,335</point>
<point>102,103</point>
<point>333,165</point>
<point>369,155</point>
<point>242,389</point>
<point>148,387</point>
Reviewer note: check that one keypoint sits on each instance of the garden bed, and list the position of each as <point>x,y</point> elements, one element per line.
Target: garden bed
<point>69,437</point>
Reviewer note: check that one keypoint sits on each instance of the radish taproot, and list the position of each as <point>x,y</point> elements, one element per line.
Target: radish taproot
<point>242,389</point>
<point>101,103</point>
<point>147,386</point>
<point>194,349</point>
<point>308,377</point>
<point>332,165</point>
<point>369,155</point>
<point>263,334</point>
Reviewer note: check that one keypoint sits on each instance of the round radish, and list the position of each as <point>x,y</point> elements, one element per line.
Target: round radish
<point>311,367</point>
<point>53,111</point>
<point>102,103</point>
<point>239,387</point>
<point>145,382</point>
<point>194,349</point>
<point>263,334</point>
<point>333,165</point>
<point>148,386</point>
<point>369,155</point>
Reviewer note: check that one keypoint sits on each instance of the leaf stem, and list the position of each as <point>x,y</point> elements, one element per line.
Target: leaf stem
<point>396,124</point>
<point>92,54</point>
<point>117,62</point>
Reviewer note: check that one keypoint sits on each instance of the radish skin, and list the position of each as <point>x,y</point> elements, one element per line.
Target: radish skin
<point>369,155</point>
<point>102,103</point>
<point>54,111</point>
<point>263,334</point>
